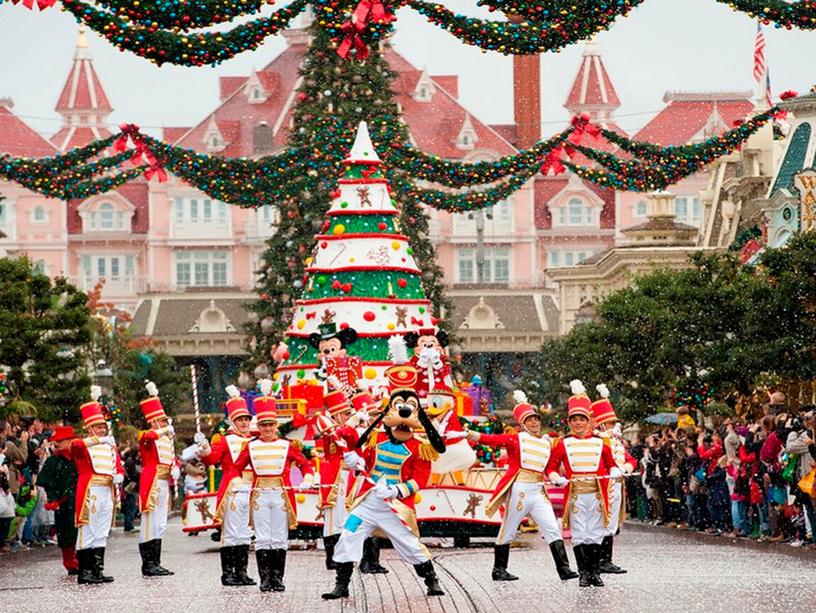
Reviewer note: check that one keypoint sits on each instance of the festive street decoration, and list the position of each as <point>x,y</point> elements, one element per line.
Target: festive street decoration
<point>367,281</point>
<point>161,31</point>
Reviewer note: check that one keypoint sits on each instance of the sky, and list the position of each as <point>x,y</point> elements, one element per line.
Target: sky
<point>677,45</point>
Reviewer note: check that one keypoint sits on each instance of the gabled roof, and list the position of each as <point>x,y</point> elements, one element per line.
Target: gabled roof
<point>18,139</point>
<point>546,188</point>
<point>434,125</point>
<point>82,90</point>
<point>592,86</point>
<point>171,135</point>
<point>228,85</point>
<point>687,114</point>
<point>70,137</point>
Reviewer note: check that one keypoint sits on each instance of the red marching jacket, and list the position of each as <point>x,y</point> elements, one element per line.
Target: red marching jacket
<point>406,465</point>
<point>534,459</point>
<point>224,452</point>
<point>99,462</point>
<point>332,462</point>
<point>587,457</point>
<point>245,460</point>
<point>158,455</point>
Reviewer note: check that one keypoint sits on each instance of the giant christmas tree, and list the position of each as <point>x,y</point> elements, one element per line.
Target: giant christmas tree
<point>361,273</point>
<point>335,95</point>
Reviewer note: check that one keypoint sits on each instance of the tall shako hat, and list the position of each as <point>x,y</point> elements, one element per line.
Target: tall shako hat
<point>523,409</point>
<point>152,407</point>
<point>602,409</point>
<point>266,409</point>
<point>92,411</point>
<point>236,404</point>
<point>578,403</point>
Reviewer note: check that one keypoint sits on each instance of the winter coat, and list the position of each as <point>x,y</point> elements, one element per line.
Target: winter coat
<point>796,445</point>
<point>7,505</point>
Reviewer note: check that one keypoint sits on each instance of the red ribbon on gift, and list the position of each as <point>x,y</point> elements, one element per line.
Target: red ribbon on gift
<point>299,420</point>
<point>352,40</point>
<point>583,127</point>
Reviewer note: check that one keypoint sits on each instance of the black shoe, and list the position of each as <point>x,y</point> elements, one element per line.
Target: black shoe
<point>98,563</point>
<point>428,573</point>
<point>341,585</point>
<point>329,543</point>
<point>606,565</point>
<point>594,563</point>
<point>150,567</point>
<point>501,556</point>
<point>228,576</point>
<point>581,561</point>
<point>240,563</point>
<point>263,558</point>
<point>157,549</point>
<point>86,572</point>
<point>559,554</point>
<point>370,564</point>
<point>278,569</point>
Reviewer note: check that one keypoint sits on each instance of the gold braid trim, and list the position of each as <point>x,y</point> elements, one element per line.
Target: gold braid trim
<point>372,439</point>
<point>428,453</point>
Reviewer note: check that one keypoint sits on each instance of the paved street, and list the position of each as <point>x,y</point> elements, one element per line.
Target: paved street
<point>667,572</point>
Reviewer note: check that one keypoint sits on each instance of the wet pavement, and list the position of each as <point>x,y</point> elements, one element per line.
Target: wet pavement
<point>667,572</point>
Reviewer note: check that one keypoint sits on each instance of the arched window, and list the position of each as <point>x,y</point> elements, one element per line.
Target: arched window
<point>106,216</point>
<point>39,214</point>
<point>641,209</point>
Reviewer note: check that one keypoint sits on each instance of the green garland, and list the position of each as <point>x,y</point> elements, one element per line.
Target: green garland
<point>182,15</point>
<point>187,49</point>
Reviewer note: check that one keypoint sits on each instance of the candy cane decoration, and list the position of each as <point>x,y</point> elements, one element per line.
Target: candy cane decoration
<point>195,397</point>
<point>340,251</point>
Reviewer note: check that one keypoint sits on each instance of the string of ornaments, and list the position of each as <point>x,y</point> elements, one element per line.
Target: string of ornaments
<point>248,183</point>
<point>162,31</point>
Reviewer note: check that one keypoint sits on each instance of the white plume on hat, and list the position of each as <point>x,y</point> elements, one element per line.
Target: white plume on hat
<point>96,392</point>
<point>265,385</point>
<point>397,351</point>
<point>232,391</point>
<point>151,388</point>
<point>577,387</point>
<point>520,397</point>
<point>602,390</point>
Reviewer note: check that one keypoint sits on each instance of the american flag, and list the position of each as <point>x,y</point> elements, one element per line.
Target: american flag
<point>759,55</point>
<point>768,96</point>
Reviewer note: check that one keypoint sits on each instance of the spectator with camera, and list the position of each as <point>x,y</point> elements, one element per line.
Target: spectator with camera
<point>801,449</point>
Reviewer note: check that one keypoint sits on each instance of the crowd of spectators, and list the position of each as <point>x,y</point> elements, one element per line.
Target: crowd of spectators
<point>739,478</point>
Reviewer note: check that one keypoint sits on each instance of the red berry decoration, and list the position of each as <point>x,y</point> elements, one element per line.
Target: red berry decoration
<point>369,316</point>
<point>324,244</point>
<point>344,325</point>
<point>326,225</point>
<point>402,282</point>
<point>382,226</point>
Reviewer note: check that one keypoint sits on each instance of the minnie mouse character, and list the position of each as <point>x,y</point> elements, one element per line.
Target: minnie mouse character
<point>339,370</point>
<point>430,360</point>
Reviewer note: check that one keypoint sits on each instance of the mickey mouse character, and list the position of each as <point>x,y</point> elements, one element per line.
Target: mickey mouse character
<point>340,370</point>
<point>393,465</point>
<point>429,359</point>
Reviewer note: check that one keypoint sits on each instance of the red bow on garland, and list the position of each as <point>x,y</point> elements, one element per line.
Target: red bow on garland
<point>373,9</point>
<point>352,40</point>
<point>157,170</point>
<point>553,160</point>
<point>129,131</point>
<point>582,127</point>
<point>41,4</point>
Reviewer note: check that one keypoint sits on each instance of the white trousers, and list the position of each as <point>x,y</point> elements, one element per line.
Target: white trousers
<point>615,501</point>
<point>271,520</point>
<point>100,517</point>
<point>335,516</point>
<point>154,522</point>
<point>528,499</point>
<point>235,528</point>
<point>361,523</point>
<point>586,520</point>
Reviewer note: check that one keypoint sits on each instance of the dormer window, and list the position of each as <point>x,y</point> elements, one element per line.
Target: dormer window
<point>467,137</point>
<point>256,95</point>
<point>425,89</point>
<point>106,216</point>
<point>38,215</point>
<point>215,142</point>
<point>577,212</point>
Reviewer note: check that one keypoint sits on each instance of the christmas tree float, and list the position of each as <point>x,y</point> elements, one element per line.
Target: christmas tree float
<point>361,284</point>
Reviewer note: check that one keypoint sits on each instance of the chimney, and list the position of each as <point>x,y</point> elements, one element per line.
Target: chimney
<point>527,99</point>
<point>261,138</point>
<point>6,103</point>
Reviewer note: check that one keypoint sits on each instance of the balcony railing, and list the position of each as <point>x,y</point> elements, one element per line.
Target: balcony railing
<point>211,228</point>
<point>114,286</point>
<point>492,227</point>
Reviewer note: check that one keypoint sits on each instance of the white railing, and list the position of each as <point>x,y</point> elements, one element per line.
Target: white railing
<point>200,229</point>
<point>462,226</point>
<point>114,286</point>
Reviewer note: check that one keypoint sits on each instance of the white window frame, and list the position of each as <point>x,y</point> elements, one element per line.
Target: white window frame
<point>39,210</point>
<point>493,256</point>
<point>637,211</point>
<point>576,208</point>
<point>194,263</point>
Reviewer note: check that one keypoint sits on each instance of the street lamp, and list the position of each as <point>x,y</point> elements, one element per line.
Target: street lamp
<point>103,377</point>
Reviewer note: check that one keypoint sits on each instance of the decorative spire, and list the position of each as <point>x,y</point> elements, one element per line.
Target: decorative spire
<point>363,149</point>
<point>592,91</point>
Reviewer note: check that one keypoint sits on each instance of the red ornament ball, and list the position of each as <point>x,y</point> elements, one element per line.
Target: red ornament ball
<point>402,282</point>
<point>382,226</point>
<point>369,316</point>
<point>344,325</point>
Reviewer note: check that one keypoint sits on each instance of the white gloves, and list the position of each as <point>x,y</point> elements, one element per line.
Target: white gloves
<point>558,480</point>
<point>175,472</point>
<point>168,430</point>
<point>455,436</point>
<point>307,483</point>
<point>118,479</point>
<point>615,473</point>
<point>473,435</point>
<point>353,460</point>
<point>384,492</point>
<point>199,438</point>
<point>204,448</point>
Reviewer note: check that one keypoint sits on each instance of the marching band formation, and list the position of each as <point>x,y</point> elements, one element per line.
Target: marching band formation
<point>374,459</point>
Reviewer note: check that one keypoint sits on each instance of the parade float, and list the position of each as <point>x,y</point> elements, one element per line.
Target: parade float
<point>362,309</point>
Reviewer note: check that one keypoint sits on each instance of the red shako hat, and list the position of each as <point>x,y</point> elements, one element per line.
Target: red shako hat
<point>523,409</point>
<point>602,409</point>
<point>236,404</point>
<point>152,407</point>
<point>578,403</point>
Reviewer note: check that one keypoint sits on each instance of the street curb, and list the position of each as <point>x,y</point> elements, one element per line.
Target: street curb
<point>710,539</point>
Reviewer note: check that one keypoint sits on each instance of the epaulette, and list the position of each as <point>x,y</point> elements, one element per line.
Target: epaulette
<point>426,451</point>
<point>372,438</point>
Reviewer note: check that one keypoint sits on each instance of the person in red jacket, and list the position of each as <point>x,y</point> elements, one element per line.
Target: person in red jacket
<point>99,472</point>
<point>158,455</point>
<point>588,465</point>
<point>521,491</point>
<point>273,508</point>
<point>606,422</point>
<point>395,465</point>
<point>337,438</point>
<point>232,500</point>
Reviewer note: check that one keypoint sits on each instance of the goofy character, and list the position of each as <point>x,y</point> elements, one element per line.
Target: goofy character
<point>394,465</point>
